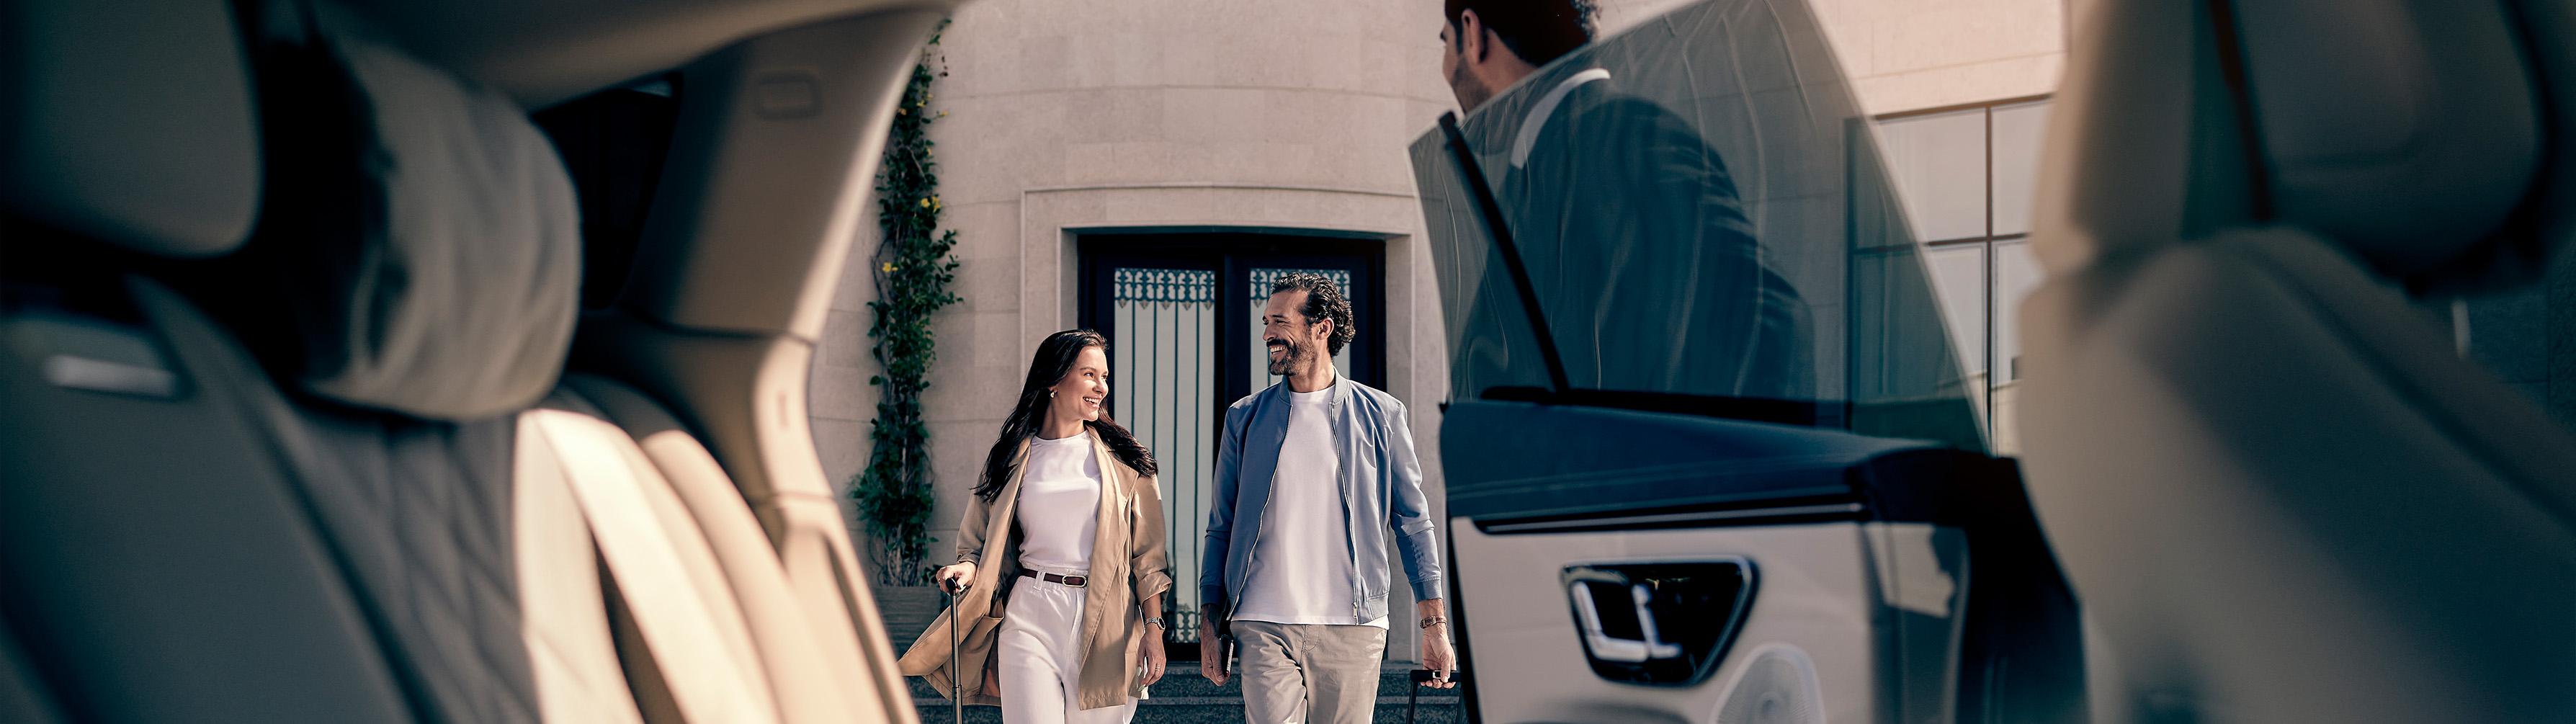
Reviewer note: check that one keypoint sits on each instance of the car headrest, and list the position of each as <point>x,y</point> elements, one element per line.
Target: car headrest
<point>418,249</point>
<point>128,121</point>
<point>2423,136</point>
<point>2409,133</point>
<point>469,309</point>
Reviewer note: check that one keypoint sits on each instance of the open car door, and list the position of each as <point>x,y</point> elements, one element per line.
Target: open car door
<point>1710,453</point>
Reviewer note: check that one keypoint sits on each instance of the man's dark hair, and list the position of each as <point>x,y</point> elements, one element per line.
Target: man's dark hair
<point>1536,30</point>
<point>1323,301</point>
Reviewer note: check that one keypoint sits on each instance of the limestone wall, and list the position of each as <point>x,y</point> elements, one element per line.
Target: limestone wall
<point>1159,114</point>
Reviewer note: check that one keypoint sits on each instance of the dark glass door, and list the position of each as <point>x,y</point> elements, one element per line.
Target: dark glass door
<point>1182,313</point>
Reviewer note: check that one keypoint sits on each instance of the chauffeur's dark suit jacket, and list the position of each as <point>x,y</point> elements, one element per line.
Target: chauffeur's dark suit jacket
<point>1644,262</point>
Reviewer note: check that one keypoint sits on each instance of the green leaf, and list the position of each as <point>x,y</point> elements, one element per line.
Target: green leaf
<point>894,491</point>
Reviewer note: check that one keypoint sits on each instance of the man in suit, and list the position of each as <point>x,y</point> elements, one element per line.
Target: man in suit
<point>1636,241</point>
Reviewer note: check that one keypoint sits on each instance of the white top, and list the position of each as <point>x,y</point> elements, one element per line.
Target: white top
<point>1059,506</point>
<point>1294,580</point>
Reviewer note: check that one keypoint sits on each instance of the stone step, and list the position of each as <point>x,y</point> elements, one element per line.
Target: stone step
<point>1184,697</point>
<point>906,610</point>
<point>1182,681</point>
<point>1151,712</point>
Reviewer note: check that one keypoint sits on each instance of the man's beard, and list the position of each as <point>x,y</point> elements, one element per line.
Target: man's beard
<point>1471,91</point>
<point>1287,363</point>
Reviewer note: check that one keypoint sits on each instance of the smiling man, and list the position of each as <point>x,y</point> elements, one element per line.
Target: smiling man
<point>1312,478</point>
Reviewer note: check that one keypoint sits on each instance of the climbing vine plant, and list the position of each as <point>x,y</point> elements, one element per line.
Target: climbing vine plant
<point>914,267</point>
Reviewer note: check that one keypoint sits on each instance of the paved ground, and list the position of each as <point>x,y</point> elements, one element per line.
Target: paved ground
<point>1185,698</point>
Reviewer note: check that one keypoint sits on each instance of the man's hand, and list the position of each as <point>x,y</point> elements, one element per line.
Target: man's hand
<point>1437,656</point>
<point>1211,652</point>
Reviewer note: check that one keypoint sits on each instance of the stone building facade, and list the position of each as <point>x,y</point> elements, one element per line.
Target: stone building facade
<point>1100,158</point>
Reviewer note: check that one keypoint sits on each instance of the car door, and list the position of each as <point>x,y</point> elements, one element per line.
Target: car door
<point>1710,452</point>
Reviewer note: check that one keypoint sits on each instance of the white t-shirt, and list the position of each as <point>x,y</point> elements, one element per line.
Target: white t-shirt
<point>1059,507</point>
<point>1296,577</point>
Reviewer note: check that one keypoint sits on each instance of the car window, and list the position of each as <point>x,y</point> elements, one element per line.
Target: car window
<point>1703,215</point>
<point>613,143</point>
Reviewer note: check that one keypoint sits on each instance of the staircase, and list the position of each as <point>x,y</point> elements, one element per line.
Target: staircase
<point>906,610</point>
<point>1184,697</point>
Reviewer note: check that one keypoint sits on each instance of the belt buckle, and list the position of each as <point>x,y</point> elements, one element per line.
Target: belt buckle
<point>1074,581</point>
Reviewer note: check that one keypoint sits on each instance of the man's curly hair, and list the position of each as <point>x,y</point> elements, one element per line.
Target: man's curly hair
<point>1324,300</point>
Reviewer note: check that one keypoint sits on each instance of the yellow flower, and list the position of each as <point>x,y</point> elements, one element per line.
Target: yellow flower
<point>925,203</point>
<point>888,267</point>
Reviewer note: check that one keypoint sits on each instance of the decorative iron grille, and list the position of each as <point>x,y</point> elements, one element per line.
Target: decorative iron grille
<point>1164,374</point>
<point>1166,286</point>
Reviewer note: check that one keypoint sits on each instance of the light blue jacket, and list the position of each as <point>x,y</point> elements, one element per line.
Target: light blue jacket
<point>1381,496</point>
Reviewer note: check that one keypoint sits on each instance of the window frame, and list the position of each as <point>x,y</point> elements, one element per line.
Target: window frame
<point>1996,368</point>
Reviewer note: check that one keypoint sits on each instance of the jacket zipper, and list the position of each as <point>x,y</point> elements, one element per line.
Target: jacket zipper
<point>1341,477</point>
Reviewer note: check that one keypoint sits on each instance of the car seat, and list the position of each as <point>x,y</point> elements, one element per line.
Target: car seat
<point>300,478</point>
<point>157,562</point>
<point>2280,493</point>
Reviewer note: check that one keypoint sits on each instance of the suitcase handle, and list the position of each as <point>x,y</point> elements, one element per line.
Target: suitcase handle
<point>1413,696</point>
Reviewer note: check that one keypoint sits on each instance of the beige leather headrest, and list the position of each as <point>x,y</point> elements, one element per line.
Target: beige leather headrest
<point>2405,131</point>
<point>463,306</point>
<point>2419,135</point>
<point>128,121</point>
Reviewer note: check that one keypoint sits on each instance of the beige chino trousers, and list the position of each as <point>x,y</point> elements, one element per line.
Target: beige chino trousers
<point>1309,674</point>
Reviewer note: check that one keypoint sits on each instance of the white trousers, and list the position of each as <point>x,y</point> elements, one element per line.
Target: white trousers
<point>1041,658</point>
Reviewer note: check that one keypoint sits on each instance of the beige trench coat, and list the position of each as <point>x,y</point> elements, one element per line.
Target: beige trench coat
<point>1131,521</point>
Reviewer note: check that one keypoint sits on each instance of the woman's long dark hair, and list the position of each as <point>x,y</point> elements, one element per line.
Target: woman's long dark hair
<point>1054,359</point>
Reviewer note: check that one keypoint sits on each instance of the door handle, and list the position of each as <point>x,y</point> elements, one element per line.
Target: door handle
<point>1649,643</point>
<point>1658,623</point>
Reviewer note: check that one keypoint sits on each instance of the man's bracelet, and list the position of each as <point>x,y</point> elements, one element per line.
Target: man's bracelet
<point>1430,621</point>
<point>1154,621</point>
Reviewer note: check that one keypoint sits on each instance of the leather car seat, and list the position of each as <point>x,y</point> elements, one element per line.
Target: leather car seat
<point>156,561</point>
<point>310,477</point>
<point>2280,493</point>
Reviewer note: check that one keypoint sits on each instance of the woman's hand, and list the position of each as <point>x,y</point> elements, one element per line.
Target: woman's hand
<point>956,578</point>
<point>1149,652</point>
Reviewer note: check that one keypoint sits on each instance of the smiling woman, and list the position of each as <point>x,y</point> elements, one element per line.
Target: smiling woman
<point>1068,499</point>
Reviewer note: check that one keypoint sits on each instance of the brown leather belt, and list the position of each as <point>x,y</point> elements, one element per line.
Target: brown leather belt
<point>1074,581</point>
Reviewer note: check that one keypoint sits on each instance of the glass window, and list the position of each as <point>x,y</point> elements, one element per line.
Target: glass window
<point>1959,281</point>
<point>2017,274</point>
<point>1163,389</point>
<point>1169,304</point>
<point>1939,164</point>
<point>2018,130</point>
<point>613,143</point>
<point>1704,223</point>
<point>1980,268</point>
